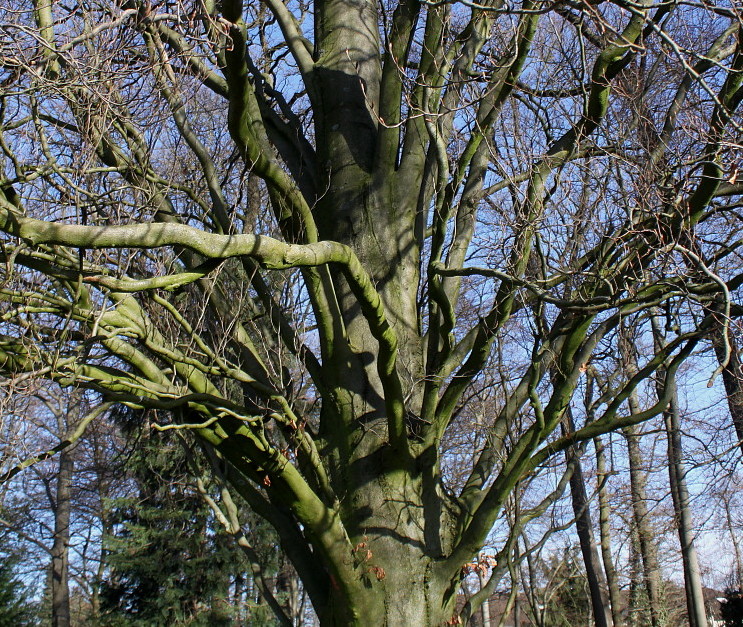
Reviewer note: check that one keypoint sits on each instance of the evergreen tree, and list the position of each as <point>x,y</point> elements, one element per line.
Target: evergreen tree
<point>17,607</point>
<point>168,564</point>
<point>731,609</point>
<point>570,604</point>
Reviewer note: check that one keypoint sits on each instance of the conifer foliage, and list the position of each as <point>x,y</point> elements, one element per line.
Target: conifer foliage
<point>169,565</point>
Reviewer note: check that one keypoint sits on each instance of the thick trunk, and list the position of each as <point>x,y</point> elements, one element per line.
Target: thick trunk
<point>605,532</point>
<point>397,581</point>
<point>60,592</point>
<point>393,598</point>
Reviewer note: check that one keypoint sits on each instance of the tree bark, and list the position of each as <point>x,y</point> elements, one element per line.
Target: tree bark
<point>60,549</point>
<point>485,610</point>
<point>605,532</point>
<point>635,579</point>
<point>734,537</point>
<point>584,528</point>
<point>512,604</point>
<point>680,494</point>
<point>645,535</point>
<point>67,420</point>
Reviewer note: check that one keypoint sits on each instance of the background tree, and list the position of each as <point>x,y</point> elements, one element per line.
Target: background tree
<point>17,603</point>
<point>731,608</point>
<point>55,510</point>
<point>434,187</point>
<point>570,602</point>
<point>165,563</point>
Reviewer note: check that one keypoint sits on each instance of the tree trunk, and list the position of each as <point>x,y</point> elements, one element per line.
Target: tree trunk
<point>486,603</point>
<point>517,611</point>
<point>734,537</point>
<point>680,493</point>
<point>534,602</point>
<point>512,604</point>
<point>584,528</point>
<point>635,579</point>
<point>414,605</point>
<point>397,583</point>
<point>103,485</point>
<point>67,420</point>
<point>644,532</point>
<point>61,547</point>
<point>605,532</point>
<point>645,535</point>
<point>287,587</point>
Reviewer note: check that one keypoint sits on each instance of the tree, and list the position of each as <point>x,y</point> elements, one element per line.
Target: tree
<point>55,510</point>
<point>731,606</point>
<point>454,192</point>
<point>570,602</point>
<point>17,606</point>
<point>165,565</point>
<point>696,610</point>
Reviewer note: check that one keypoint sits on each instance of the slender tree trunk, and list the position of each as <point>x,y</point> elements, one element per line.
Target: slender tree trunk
<point>61,547</point>
<point>103,488</point>
<point>644,533</point>
<point>287,587</point>
<point>584,527</point>
<point>605,532</point>
<point>485,610</point>
<point>645,536</point>
<point>517,611</point>
<point>533,599</point>
<point>237,597</point>
<point>513,597</point>
<point>635,579</point>
<point>95,598</point>
<point>680,495</point>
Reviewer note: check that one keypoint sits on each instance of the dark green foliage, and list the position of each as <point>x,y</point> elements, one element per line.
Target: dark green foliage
<point>168,562</point>
<point>17,608</point>
<point>731,610</point>
<point>569,603</point>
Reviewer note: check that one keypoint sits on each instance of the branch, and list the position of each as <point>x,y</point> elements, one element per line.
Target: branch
<point>64,443</point>
<point>271,253</point>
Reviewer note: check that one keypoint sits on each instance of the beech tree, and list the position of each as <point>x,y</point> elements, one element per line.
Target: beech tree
<point>311,232</point>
